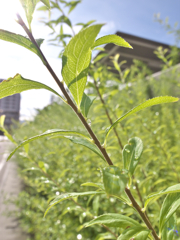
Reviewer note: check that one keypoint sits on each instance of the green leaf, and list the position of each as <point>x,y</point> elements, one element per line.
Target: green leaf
<point>18,84</point>
<point>134,232</point>
<point>39,41</point>
<point>148,103</point>
<point>115,182</point>
<point>86,24</point>
<point>97,185</point>
<point>87,143</point>
<point>2,119</point>
<point>170,205</point>
<point>131,154</point>
<point>22,41</point>
<point>103,236</point>
<point>142,235</point>
<point>26,148</point>
<point>29,7</point>
<point>99,57</point>
<point>82,140</point>
<point>172,189</point>
<point>64,19</point>
<point>86,103</point>
<point>8,135</point>
<point>114,220</point>
<point>72,5</point>
<point>169,229</point>
<point>65,196</point>
<point>46,2</point>
<point>42,8</point>
<point>112,39</point>
<point>76,60</point>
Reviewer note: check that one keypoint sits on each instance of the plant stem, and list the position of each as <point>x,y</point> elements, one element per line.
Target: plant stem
<point>88,128</point>
<point>138,192</point>
<point>141,213</point>
<point>107,113</point>
<point>69,100</point>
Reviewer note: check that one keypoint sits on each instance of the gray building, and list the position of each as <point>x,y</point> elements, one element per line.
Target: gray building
<point>10,107</point>
<point>143,50</point>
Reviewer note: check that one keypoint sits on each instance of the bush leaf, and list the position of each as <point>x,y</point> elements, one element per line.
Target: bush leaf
<point>131,154</point>
<point>139,233</point>
<point>169,229</point>
<point>87,143</point>
<point>114,220</point>
<point>91,184</point>
<point>76,59</point>
<point>82,140</point>
<point>148,103</point>
<point>29,7</point>
<point>86,103</point>
<point>21,40</point>
<point>172,189</point>
<point>112,39</point>
<point>2,119</point>
<point>170,205</point>
<point>65,196</point>
<point>115,182</point>
<point>18,84</point>
<point>46,2</point>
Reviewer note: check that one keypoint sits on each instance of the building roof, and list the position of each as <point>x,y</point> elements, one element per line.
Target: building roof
<point>143,50</point>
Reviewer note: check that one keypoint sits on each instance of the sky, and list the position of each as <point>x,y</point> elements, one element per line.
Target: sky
<point>130,16</point>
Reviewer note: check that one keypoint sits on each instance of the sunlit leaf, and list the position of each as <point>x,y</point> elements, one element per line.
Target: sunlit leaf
<point>148,103</point>
<point>54,133</point>
<point>86,103</point>
<point>112,39</point>
<point>134,232</point>
<point>8,135</point>
<point>18,84</point>
<point>172,189</point>
<point>29,7</point>
<point>170,205</point>
<point>2,119</point>
<point>114,220</point>
<point>131,154</point>
<point>21,40</point>
<point>65,196</point>
<point>76,59</point>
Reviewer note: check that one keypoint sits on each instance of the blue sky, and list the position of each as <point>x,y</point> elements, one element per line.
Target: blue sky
<point>131,16</point>
<point>135,17</point>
